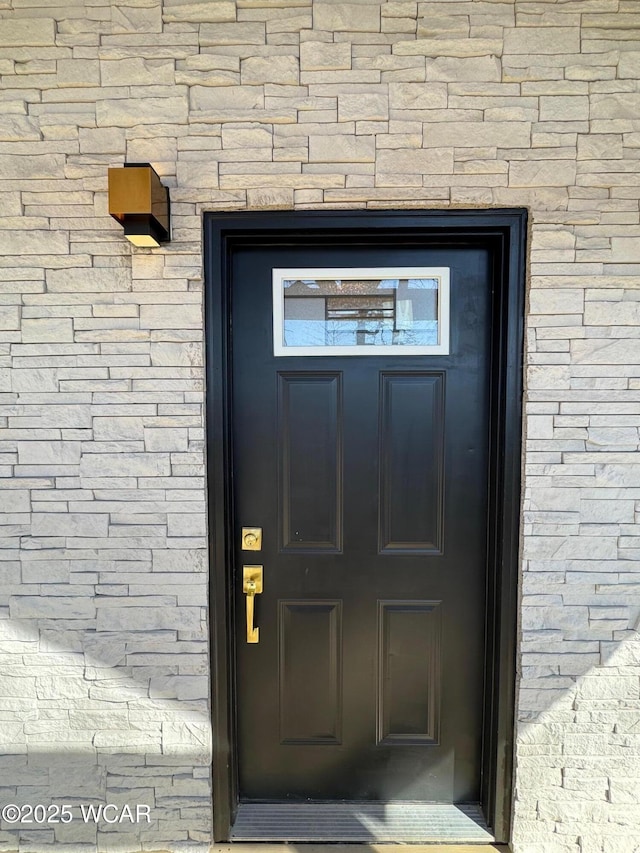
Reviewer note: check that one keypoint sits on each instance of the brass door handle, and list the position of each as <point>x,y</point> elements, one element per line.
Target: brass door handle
<point>252,586</point>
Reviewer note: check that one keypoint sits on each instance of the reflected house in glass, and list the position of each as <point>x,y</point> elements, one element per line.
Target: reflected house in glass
<point>361,311</point>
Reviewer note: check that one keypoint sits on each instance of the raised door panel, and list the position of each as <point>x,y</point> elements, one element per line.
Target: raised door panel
<point>412,465</point>
<point>310,683</point>
<point>310,465</point>
<point>409,681</point>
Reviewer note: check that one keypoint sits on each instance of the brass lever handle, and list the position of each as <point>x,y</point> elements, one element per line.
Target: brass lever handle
<point>252,586</point>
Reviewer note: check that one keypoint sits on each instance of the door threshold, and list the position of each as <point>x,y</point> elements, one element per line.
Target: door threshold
<point>362,822</point>
<point>266,847</point>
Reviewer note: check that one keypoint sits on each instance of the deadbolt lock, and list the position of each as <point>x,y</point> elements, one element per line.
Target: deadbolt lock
<point>251,538</point>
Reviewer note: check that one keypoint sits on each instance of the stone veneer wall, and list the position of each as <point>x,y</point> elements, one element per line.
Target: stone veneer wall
<point>285,103</point>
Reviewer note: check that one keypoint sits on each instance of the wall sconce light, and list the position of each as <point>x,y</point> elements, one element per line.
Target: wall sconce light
<point>140,202</point>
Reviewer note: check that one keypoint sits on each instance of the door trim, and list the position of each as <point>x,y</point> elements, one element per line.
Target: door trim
<point>505,230</point>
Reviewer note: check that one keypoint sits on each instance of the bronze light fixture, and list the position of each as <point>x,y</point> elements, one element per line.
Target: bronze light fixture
<point>139,202</point>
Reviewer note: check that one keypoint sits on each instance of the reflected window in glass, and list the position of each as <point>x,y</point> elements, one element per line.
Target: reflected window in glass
<point>361,311</point>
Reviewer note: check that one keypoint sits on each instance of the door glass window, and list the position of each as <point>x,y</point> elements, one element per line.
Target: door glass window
<point>366,311</point>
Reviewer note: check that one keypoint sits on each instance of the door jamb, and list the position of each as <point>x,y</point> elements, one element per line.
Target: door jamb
<point>507,229</point>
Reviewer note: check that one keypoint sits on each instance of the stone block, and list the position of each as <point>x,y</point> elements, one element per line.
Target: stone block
<point>137,71</point>
<point>73,416</point>
<point>433,25</point>
<point>48,452</point>
<point>415,162</point>
<point>548,376</point>
<point>322,56</point>
<point>125,465</point>
<point>31,166</point>
<point>540,426</point>
<point>78,73</point>
<point>599,685</point>
<point>605,146</point>
<point>56,687</point>
<point>472,134</point>
<point>285,29</point>
<point>165,438</point>
<point>615,105</point>
<point>270,69</point>
<point>629,64</point>
<point>10,576</point>
<point>44,571</point>
<point>197,174</point>
<point>555,617</point>
<point>564,108</point>
<point>47,330</point>
<point>70,524</point>
<point>18,687</point>
<point>349,17</point>
<point>226,98</point>
<point>554,238</point>
<point>399,9</point>
<point>32,242</point>
<point>51,607</point>
<point>208,78</point>
<point>448,47</point>
<point>542,173</point>
<point>542,40</point>
<point>341,149</point>
<point>137,111</point>
<point>612,314</point>
<point>126,740</point>
<point>474,69</point>
<point>400,140</point>
<point>625,249</point>
<point>89,280</point>
<point>417,96</point>
<point>9,318</point>
<point>186,524</point>
<point>5,379</point>
<point>187,316</point>
<point>188,738</point>
<point>34,379</point>
<point>14,500</point>
<point>561,301</point>
<point>180,560</point>
<point>244,33</point>
<point>27,32</point>
<point>144,619</point>
<point>102,140</point>
<point>607,511</point>
<point>625,791</point>
<point>270,197</point>
<point>15,128</point>
<point>166,354</point>
<point>184,687</point>
<point>210,62</point>
<point>199,11</point>
<point>589,73</point>
<point>246,136</point>
<point>365,106</point>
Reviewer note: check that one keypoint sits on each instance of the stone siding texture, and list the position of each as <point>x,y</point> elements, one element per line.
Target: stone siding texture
<point>260,104</point>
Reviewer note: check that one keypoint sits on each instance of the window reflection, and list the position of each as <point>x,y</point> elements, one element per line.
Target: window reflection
<point>361,312</point>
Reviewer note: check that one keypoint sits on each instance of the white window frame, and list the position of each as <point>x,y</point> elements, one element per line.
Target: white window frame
<point>355,273</point>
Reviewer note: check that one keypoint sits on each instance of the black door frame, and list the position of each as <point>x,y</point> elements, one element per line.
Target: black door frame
<point>505,230</point>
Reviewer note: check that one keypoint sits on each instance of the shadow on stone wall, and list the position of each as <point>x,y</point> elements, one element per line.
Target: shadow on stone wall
<point>100,734</point>
<point>578,718</point>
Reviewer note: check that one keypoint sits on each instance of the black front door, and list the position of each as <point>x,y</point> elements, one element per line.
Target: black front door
<point>368,475</point>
